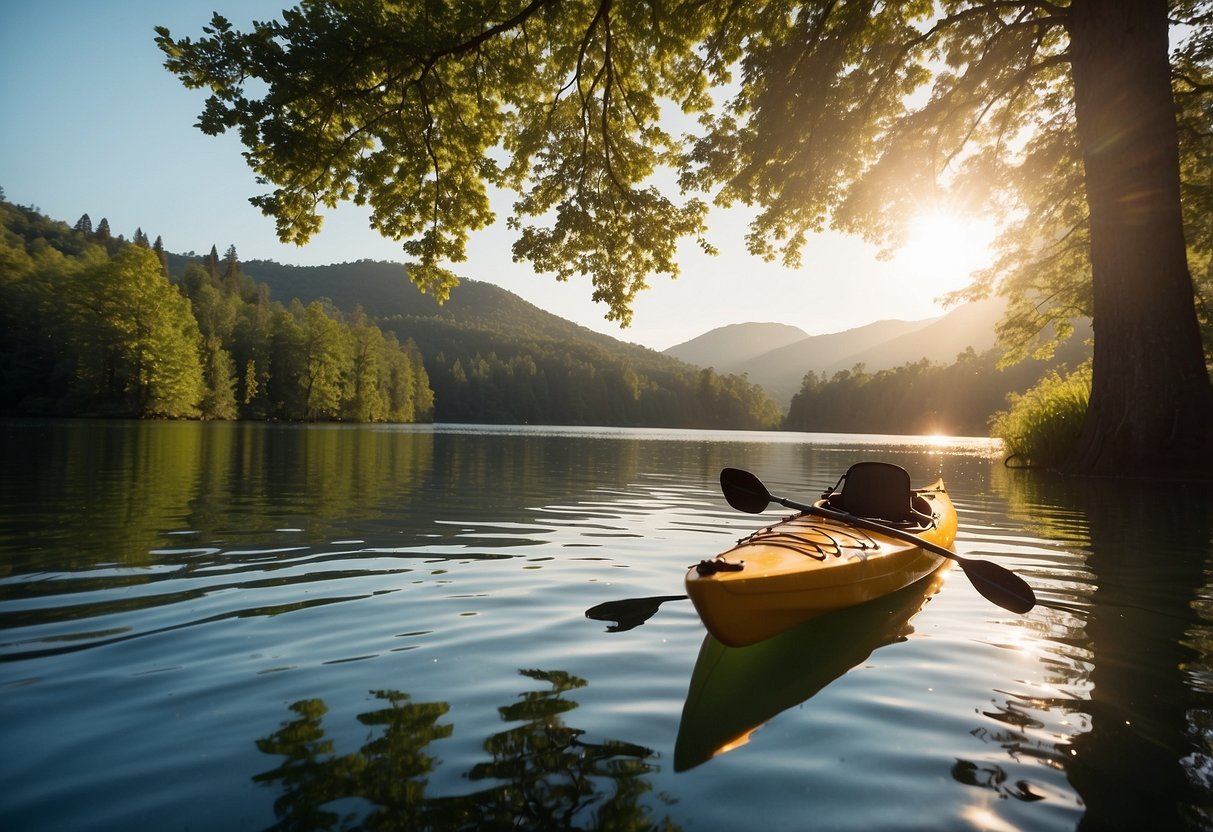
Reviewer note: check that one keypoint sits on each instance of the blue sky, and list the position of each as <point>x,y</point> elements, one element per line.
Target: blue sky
<point>93,123</point>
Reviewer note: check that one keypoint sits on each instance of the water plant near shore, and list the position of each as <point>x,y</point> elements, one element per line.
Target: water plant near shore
<point>1043,424</point>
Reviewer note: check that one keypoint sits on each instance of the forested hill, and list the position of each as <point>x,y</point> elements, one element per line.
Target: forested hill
<point>94,324</point>
<point>384,291</point>
<point>493,357</point>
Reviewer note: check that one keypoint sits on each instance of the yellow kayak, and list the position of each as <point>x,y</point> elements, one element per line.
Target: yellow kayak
<point>808,565</point>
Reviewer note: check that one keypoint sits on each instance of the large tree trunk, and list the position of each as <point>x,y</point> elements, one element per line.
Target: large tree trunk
<point>1151,406</point>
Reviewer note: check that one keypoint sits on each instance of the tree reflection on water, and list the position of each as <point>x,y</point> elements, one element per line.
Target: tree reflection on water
<point>546,776</point>
<point>1139,626</point>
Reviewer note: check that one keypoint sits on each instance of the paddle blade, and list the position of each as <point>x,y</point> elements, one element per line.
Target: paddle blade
<point>999,585</point>
<point>629,612</point>
<point>744,491</point>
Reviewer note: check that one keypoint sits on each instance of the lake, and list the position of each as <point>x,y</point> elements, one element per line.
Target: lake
<point>249,626</point>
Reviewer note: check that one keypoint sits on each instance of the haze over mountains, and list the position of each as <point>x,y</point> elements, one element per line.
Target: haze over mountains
<point>778,356</point>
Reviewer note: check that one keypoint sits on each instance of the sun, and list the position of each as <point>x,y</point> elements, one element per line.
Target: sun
<point>943,250</point>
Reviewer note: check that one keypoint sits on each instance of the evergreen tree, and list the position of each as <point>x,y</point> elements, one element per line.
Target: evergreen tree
<point>102,233</point>
<point>161,255</point>
<point>212,265</point>
<point>84,225</point>
<point>141,238</point>
<point>214,310</point>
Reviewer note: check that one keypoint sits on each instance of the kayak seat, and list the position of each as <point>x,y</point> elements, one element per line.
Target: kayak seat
<point>879,491</point>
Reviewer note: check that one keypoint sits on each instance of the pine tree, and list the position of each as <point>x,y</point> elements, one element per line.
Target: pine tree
<point>84,225</point>
<point>141,238</point>
<point>103,231</point>
<point>212,265</point>
<point>161,255</point>
<point>232,282</point>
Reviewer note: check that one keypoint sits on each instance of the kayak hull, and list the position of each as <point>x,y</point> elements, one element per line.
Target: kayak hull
<point>806,566</point>
<point>735,691</point>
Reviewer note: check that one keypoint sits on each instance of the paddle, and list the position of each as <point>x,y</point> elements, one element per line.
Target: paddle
<point>745,492</point>
<point>629,612</point>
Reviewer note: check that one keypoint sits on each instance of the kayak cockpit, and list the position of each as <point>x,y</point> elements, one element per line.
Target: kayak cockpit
<point>881,491</point>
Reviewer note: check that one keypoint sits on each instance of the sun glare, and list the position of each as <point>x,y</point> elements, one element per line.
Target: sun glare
<point>943,251</point>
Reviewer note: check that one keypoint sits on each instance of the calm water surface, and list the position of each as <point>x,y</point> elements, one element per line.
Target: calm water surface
<point>222,626</point>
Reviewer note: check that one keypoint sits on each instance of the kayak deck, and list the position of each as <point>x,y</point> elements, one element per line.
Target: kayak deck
<point>804,566</point>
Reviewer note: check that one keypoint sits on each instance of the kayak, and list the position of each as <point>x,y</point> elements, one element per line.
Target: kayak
<point>808,565</point>
<point>736,690</point>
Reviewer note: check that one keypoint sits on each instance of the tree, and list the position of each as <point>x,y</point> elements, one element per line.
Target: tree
<point>84,225</point>
<point>219,379</point>
<point>136,339</point>
<point>328,359</point>
<point>161,255</point>
<point>103,233</point>
<point>855,115</point>
<point>366,403</point>
<point>212,265</point>
<point>285,388</point>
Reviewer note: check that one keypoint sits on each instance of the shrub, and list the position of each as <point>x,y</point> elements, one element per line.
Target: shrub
<point>1043,424</point>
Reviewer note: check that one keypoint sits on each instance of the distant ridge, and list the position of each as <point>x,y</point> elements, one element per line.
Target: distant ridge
<point>775,356</point>
<point>736,344</point>
<point>769,356</point>
<point>491,356</point>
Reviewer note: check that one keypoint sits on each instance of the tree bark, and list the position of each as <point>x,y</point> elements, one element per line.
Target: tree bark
<point>1151,409</point>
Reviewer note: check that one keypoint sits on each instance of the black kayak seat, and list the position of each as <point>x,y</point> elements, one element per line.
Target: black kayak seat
<point>878,490</point>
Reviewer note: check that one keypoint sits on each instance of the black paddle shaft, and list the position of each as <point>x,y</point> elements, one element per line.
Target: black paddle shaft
<point>745,492</point>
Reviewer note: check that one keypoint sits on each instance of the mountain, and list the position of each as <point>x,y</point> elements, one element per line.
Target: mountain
<point>770,356</point>
<point>383,290</point>
<point>736,344</point>
<point>493,357</point>
<point>481,318</point>
<point>940,340</point>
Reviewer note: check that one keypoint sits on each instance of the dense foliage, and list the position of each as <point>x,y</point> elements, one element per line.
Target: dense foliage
<point>91,324</point>
<point>920,397</point>
<point>479,376</point>
<point>494,358</point>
